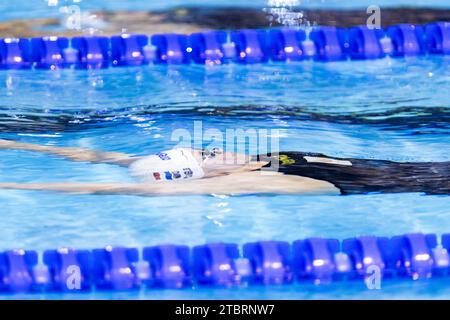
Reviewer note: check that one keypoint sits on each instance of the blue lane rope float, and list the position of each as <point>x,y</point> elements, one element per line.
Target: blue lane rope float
<point>407,40</point>
<point>89,52</point>
<point>218,47</point>
<point>315,260</point>
<point>331,43</point>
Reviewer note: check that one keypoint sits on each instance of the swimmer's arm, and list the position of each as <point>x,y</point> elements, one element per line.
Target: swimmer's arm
<point>72,153</point>
<point>83,188</point>
<point>236,184</point>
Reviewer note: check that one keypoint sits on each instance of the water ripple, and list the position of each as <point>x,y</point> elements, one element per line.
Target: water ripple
<point>427,119</point>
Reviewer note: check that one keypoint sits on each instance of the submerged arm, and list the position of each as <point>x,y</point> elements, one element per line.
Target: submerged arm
<point>236,184</point>
<point>72,153</point>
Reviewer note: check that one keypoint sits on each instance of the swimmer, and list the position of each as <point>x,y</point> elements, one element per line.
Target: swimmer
<point>195,172</point>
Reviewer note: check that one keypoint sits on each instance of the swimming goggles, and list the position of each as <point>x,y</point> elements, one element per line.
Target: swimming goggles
<point>210,154</point>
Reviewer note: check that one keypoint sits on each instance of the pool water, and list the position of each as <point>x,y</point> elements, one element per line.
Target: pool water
<point>395,109</point>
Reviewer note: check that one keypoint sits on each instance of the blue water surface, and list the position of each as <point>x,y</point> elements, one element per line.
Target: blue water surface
<point>395,109</point>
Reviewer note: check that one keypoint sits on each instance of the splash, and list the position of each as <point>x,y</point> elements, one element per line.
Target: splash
<point>284,13</point>
<point>75,19</point>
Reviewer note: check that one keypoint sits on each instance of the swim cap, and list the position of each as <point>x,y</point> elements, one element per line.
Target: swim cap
<point>175,164</point>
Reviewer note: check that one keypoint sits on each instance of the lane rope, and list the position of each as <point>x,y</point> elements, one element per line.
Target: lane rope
<point>220,47</point>
<point>315,260</point>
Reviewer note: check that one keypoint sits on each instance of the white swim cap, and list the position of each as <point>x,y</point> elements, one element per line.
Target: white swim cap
<point>175,164</point>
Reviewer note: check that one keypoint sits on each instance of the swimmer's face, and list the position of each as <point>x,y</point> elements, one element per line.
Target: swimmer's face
<point>218,162</point>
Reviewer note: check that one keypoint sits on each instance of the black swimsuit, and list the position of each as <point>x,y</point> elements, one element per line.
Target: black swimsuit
<point>365,176</point>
